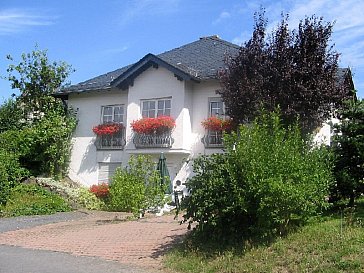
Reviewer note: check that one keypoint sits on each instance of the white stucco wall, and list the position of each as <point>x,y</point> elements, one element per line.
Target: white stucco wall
<point>189,106</point>
<point>84,158</point>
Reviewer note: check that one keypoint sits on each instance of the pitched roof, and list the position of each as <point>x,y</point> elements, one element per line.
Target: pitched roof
<point>199,60</point>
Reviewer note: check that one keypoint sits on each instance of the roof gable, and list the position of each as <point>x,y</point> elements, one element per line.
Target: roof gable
<point>149,60</point>
<point>197,61</point>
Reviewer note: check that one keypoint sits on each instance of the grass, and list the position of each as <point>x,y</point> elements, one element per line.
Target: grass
<point>334,243</point>
<point>32,200</point>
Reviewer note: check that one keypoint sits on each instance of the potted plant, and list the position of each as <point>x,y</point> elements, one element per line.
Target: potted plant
<point>217,124</point>
<point>159,125</point>
<point>107,129</point>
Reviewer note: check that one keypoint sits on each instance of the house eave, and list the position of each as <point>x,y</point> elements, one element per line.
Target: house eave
<point>127,79</point>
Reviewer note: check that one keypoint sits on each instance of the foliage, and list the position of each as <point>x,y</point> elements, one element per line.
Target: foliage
<point>87,199</point>
<point>329,244</point>
<point>348,145</point>
<point>76,195</point>
<point>137,187</point>
<point>158,125</point>
<point>10,173</point>
<point>32,200</point>
<point>10,116</point>
<point>268,181</point>
<point>43,141</point>
<point>107,128</point>
<point>217,124</point>
<point>296,70</point>
<point>37,78</point>
<point>101,190</point>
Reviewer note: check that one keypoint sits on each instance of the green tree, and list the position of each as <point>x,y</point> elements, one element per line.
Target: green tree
<point>10,116</point>
<point>44,142</point>
<point>268,180</point>
<point>37,78</point>
<point>348,145</point>
<point>295,70</point>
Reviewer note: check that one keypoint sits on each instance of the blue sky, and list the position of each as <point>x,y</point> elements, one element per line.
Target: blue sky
<point>98,36</point>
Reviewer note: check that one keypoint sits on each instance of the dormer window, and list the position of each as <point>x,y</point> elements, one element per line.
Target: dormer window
<point>156,108</point>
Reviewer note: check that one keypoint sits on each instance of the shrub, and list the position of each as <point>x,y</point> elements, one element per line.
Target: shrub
<point>101,191</point>
<point>10,172</point>
<point>269,180</point>
<point>87,199</point>
<point>33,200</point>
<point>137,187</point>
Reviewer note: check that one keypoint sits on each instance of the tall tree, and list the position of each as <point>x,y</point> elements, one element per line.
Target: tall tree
<point>42,138</point>
<point>295,70</point>
<point>348,145</point>
<point>36,77</point>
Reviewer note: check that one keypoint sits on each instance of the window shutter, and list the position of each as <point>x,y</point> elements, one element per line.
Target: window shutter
<point>106,171</point>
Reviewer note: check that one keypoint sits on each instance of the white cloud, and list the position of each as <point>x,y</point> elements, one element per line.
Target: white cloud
<point>223,15</point>
<point>113,51</point>
<point>139,8</point>
<point>17,20</point>
<point>242,38</point>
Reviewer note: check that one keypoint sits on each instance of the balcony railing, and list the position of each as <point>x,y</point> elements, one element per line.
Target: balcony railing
<point>111,142</point>
<point>213,139</point>
<point>164,140</point>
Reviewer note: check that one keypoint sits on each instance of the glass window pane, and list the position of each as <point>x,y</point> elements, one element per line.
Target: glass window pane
<point>160,113</point>
<point>145,106</point>
<point>167,104</point>
<point>151,105</point>
<point>107,110</point>
<point>167,112</point>
<point>151,113</point>
<point>160,104</point>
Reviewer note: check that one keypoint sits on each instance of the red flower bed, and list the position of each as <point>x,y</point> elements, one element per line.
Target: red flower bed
<point>101,190</point>
<point>156,125</point>
<point>217,124</point>
<point>107,128</point>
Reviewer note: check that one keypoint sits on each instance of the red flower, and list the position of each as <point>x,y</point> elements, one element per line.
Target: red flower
<point>107,128</point>
<point>158,125</point>
<point>217,124</point>
<point>101,190</point>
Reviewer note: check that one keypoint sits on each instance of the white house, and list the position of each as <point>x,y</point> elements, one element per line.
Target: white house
<point>180,83</point>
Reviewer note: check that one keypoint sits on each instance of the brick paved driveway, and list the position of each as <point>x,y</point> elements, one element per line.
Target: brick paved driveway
<point>104,235</point>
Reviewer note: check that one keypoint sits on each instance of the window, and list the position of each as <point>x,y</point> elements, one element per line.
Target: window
<point>156,108</point>
<point>106,172</point>
<point>113,113</point>
<point>216,107</point>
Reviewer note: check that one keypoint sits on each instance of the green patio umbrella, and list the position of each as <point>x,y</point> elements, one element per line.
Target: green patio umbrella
<point>164,174</point>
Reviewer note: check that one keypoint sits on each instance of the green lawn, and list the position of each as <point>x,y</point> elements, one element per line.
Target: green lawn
<point>334,243</point>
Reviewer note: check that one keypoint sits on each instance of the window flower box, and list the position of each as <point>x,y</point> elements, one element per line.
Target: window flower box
<point>217,124</point>
<point>153,132</point>
<point>109,136</point>
<point>215,127</point>
<point>107,128</point>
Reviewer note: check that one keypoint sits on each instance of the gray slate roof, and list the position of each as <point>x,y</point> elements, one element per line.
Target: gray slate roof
<point>201,59</point>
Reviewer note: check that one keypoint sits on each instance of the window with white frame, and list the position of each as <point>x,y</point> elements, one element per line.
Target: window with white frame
<point>112,113</point>
<point>155,108</point>
<point>216,109</point>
